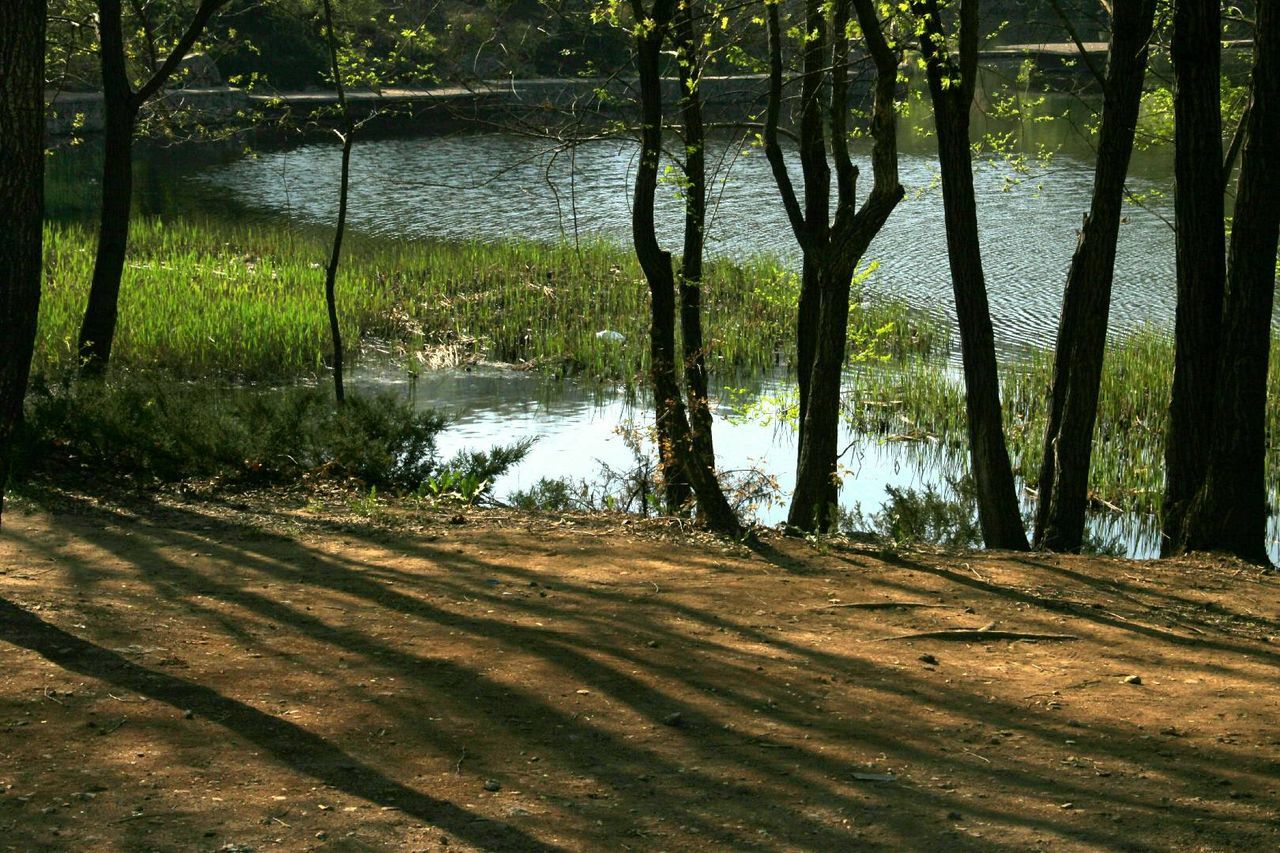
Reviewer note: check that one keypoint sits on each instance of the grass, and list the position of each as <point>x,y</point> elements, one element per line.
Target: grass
<point>201,299</point>
<point>922,398</point>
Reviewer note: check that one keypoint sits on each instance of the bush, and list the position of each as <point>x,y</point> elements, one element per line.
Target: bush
<point>169,431</point>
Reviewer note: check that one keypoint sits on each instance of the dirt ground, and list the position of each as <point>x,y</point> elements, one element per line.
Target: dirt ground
<point>200,676</point>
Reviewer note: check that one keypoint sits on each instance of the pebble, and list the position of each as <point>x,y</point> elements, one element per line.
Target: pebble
<point>492,785</point>
<point>929,659</point>
<point>1133,679</point>
<point>675,719</point>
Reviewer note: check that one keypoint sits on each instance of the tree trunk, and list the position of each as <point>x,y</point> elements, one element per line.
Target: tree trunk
<point>816,495</point>
<point>951,90</point>
<point>1230,511</point>
<point>1082,329</point>
<point>22,37</point>
<point>344,183</point>
<point>695,168</point>
<point>1200,258</point>
<point>97,331</point>
<point>673,427</point>
<point>121,105</point>
<point>998,512</point>
<point>831,248</point>
<point>808,311</point>
<point>816,176</point>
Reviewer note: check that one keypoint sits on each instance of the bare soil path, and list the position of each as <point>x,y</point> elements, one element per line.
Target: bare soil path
<point>188,676</point>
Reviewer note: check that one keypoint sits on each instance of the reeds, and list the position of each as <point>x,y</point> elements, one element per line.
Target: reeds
<point>203,299</point>
<point>922,399</point>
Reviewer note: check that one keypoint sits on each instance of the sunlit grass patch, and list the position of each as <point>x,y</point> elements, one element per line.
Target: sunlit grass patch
<point>202,299</point>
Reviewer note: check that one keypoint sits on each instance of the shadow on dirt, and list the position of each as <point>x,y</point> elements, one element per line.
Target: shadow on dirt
<point>672,710</point>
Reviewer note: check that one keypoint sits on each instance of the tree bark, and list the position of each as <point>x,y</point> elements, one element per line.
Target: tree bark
<point>22,37</point>
<point>1230,511</point>
<point>674,433</point>
<point>97,331</point>
<point>1086,303</point>
<point>951,86</point>
<point>1200,258</point>
<point>693,135</point>
<point>831,248</point>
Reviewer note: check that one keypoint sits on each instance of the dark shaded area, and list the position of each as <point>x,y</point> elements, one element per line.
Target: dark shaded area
<point>293,745</point>
<point>725,786</point>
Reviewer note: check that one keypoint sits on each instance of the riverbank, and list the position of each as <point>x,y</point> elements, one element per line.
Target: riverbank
<point>279,672</point>
<point>244,303</point>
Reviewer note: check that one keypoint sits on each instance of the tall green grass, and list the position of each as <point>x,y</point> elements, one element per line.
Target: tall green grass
<point>201,299</point>
<point>922,398</point>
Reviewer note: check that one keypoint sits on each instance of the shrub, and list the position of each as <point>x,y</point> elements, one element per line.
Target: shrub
<point>171,431</point>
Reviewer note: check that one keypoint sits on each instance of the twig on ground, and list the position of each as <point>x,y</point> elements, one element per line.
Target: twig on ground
<point>883,605</point>
<point>978,634</point>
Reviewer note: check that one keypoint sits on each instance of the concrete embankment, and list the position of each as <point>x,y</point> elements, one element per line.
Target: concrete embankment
<point>548,101</point>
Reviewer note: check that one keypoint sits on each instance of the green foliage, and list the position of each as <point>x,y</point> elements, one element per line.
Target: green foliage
<point>452,485</point>
<point>549,495</point>
<point>144,428</point>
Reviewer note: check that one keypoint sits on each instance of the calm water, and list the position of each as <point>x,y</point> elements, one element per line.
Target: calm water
<point>495,186</point>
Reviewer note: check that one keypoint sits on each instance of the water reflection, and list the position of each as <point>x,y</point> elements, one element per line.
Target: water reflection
<point>578,431</point>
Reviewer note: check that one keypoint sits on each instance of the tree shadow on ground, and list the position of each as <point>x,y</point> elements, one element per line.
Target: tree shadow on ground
<point>706,711</point>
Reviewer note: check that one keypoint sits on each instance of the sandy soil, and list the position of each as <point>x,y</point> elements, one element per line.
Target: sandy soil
<point>188,676</point>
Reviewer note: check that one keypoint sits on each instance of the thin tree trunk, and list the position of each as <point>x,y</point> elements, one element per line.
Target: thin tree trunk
<point>1230,512</point>
<point>331,270</point>
<point>121,105</point>
<point>951,86</point>
<point>673,426</point>
<point>1082,329</point>
<point>694,137</point>
<point>1200,258</point>
<point>97,331</point>
<point>22,38</point>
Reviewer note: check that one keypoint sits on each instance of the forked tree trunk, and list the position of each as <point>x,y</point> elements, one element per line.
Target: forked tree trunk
<point>831,248</point>
<point>22,36</point>
<point>673,426</point>
<point>1230,511</point>
<point>1200,258</point>
<point>1082,328</point>
<point>951,86</point>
